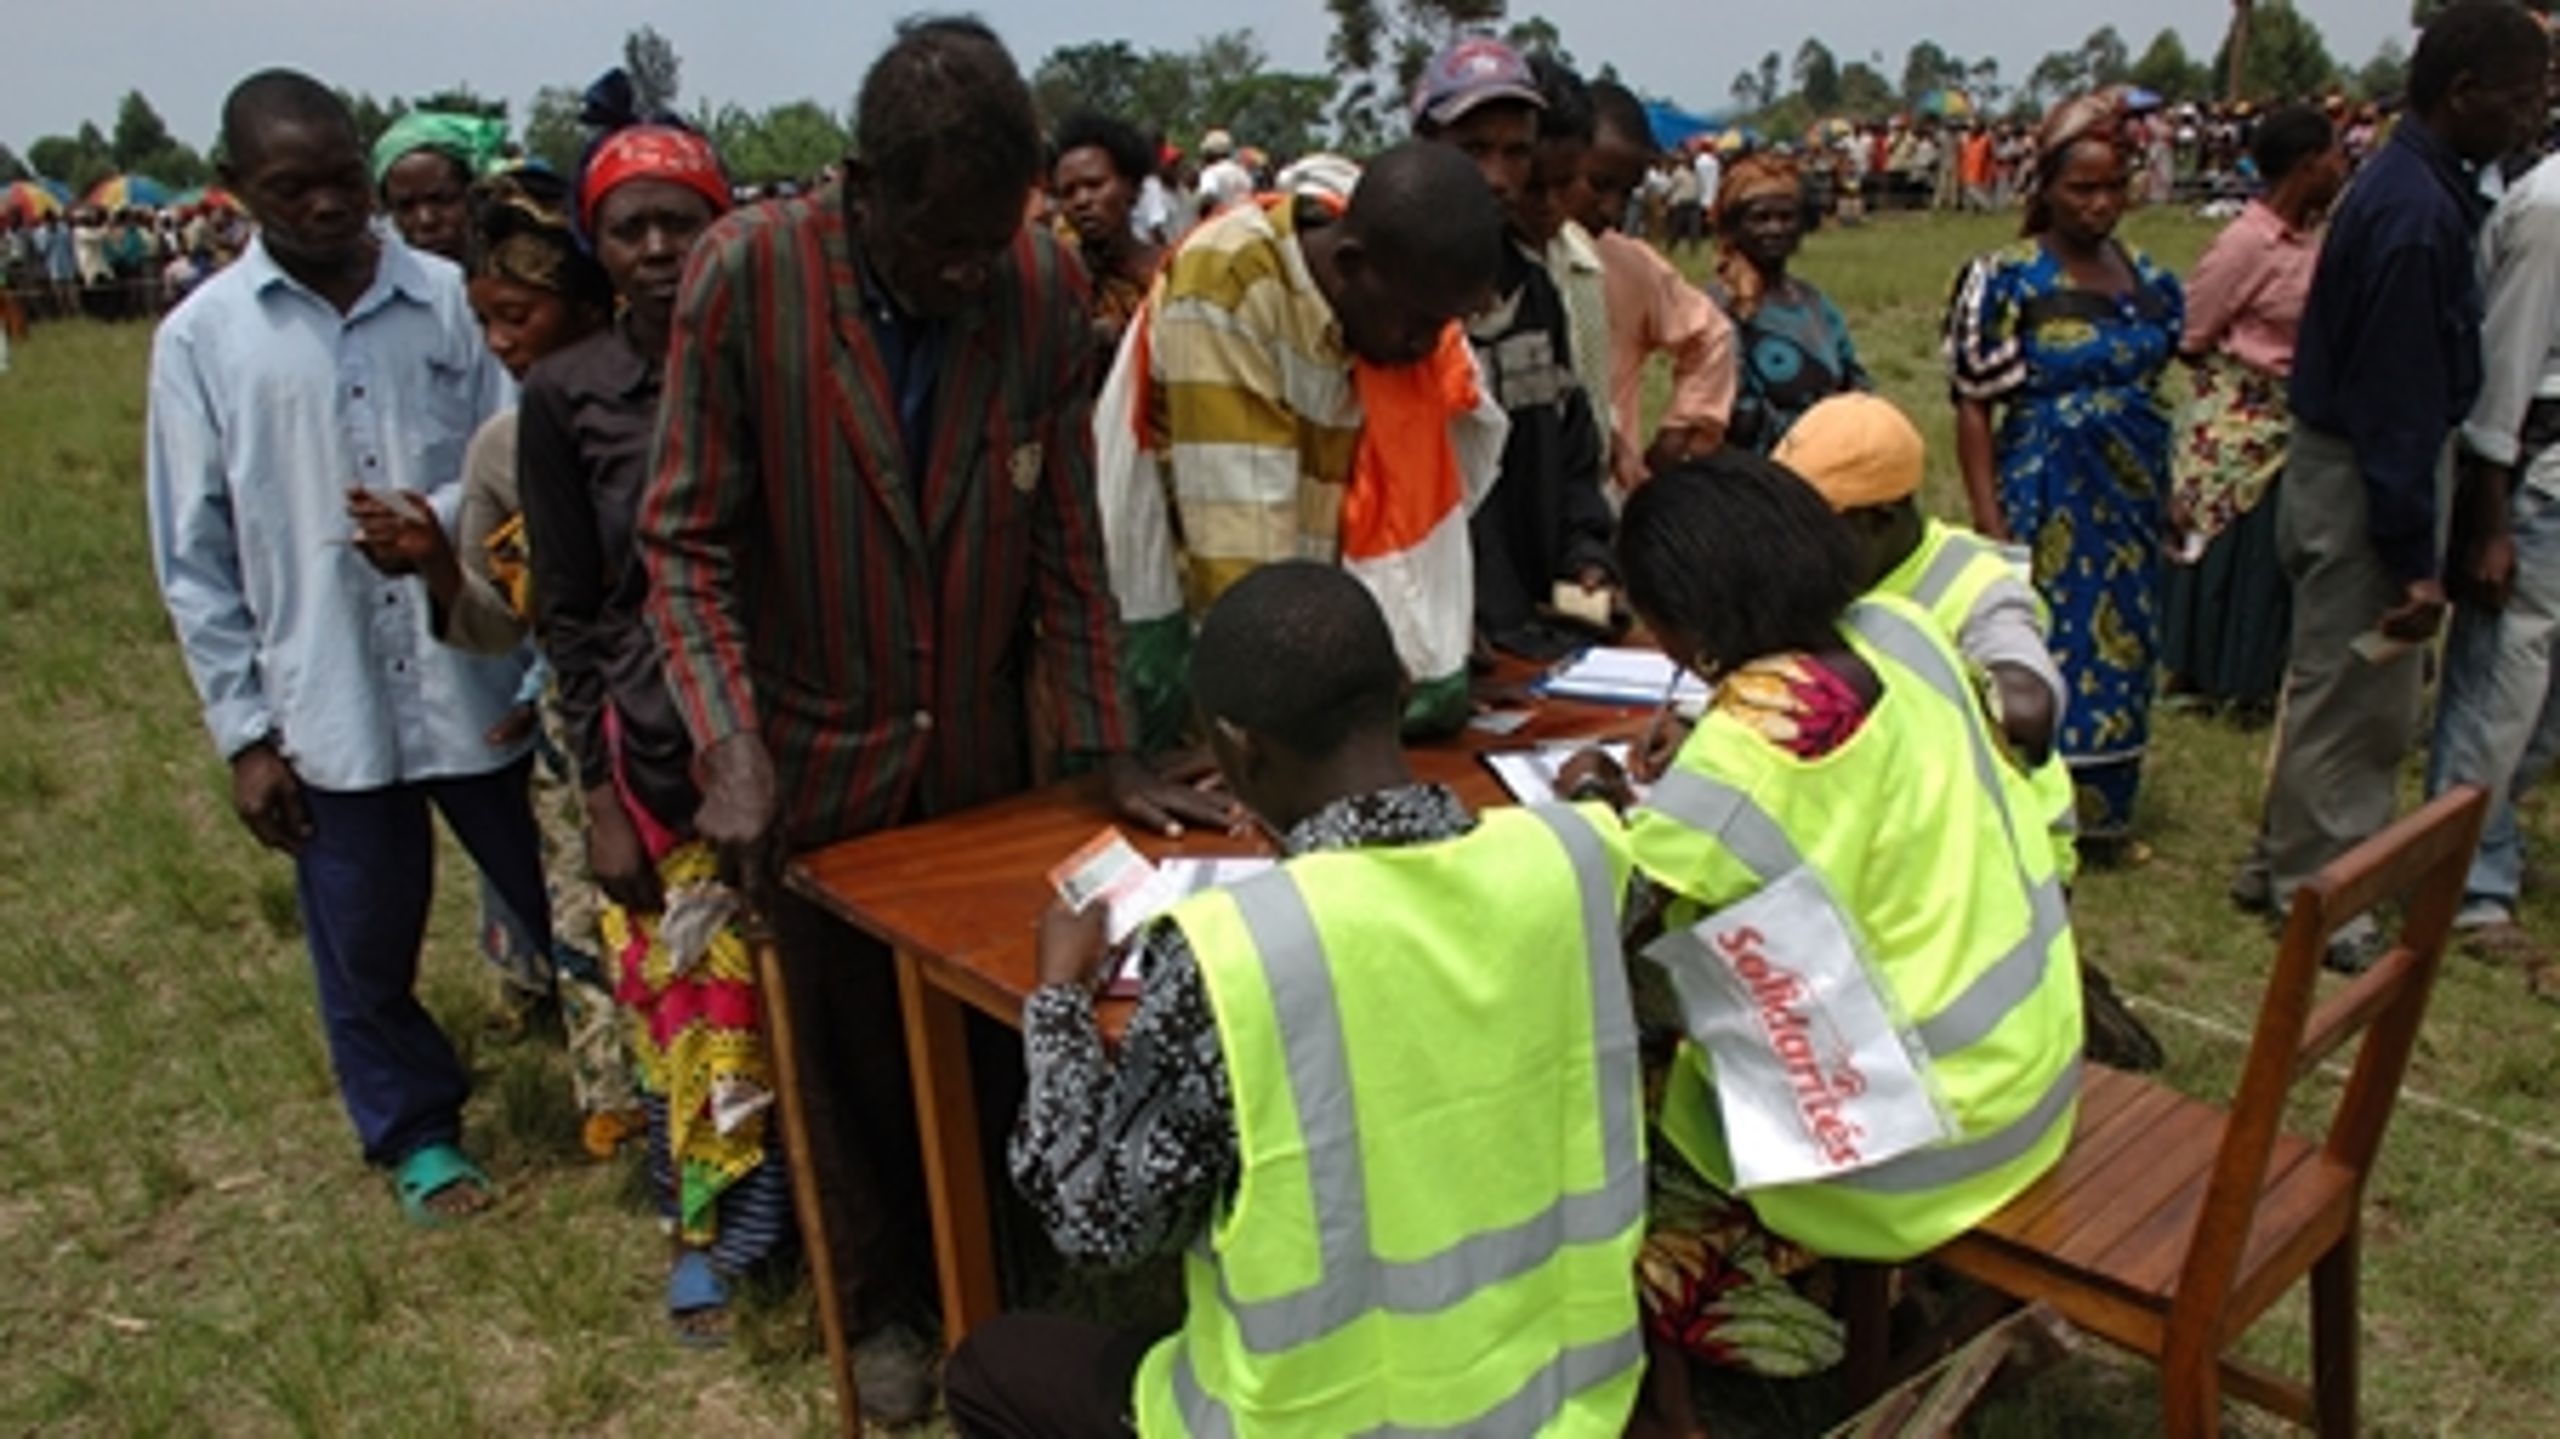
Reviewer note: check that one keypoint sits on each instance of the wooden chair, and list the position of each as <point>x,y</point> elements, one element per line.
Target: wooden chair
<point>2170,1226</point>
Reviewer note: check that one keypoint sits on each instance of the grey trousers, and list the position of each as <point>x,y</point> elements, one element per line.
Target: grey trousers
<point>2349,722</point>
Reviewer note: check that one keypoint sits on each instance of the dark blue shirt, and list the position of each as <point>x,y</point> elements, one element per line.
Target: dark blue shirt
<point>2390,352</point>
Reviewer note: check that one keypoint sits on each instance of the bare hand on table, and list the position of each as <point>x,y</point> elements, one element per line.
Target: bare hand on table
<point>1591,774</point>
<point>1163,801</point>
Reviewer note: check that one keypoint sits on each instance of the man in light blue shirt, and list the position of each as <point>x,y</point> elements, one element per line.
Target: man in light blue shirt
<point>332,358</point>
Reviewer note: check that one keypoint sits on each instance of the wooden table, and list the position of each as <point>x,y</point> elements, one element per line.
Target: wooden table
<point>958,901</point>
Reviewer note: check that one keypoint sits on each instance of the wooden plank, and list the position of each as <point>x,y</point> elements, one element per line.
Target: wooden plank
<point>955,1175</point>
<point>2138,1185</point>
<point>2050,1208</point>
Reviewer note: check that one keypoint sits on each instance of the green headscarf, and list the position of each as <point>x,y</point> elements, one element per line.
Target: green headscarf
<point>472,140</point>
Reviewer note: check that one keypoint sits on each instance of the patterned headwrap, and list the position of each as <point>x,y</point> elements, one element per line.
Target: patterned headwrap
<point>471,141</point>
<point>630,146</point>
<point>520,233</point>
<point>2098,115</point>
<point>1753,177</point>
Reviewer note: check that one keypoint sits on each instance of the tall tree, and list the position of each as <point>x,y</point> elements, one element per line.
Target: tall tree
<point>79,161</point>
<point>1772,79</point>
<point>372,116</point>
<point>461,99</point>
<point>657,75</point>
<point>140,133</point>
<point>792,141</point>
<point>1100,75</point>
<point>2386,75</point>
<point>1863,91</point>
<point>552,133</point>
<point>1818,75</point>
<point>1926,67</point>
<point>2166,69</point>
<point>2103,58</point>
<point>1378,51</point>
<point>2283,56</point>
<point>1982,82</point>
<point>1538,35</point>
<point>13,169</point>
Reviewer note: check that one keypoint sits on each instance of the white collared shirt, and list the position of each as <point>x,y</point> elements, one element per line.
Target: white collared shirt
<point>267,405</point>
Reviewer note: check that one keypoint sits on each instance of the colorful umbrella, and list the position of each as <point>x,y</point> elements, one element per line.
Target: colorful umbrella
<point>126,192</point>
<point>202,195</point>
<point>1947,104</point>
<point>22,197</point>
<point>60,192</point>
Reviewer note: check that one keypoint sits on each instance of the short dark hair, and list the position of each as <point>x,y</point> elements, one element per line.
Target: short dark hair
<point>1615,108</point>
<point>1568,115</point>
<point>1129,152</point>
<point>277,95</point>
<point>1423,209</point>
<point>1739,554</point>
<point>946,97</point>
<point>1298,653</point>
<point>2288,137</point>
<point>2477,37</point>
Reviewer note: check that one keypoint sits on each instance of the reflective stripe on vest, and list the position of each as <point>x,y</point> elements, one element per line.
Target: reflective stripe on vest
<point>1355,1279</point>
<point>1953,558</point>
<point>1537,1402</point>
<point>1753,837</point>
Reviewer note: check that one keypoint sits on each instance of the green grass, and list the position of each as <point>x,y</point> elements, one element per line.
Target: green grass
<point>191,1246</point>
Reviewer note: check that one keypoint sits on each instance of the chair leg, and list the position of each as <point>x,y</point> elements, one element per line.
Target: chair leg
<point>2334,1375</point>
<point>2190,1394</point>
<point>1866,1305</point>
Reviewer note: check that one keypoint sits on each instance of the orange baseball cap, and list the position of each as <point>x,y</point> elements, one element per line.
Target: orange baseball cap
<point>1857,450</point>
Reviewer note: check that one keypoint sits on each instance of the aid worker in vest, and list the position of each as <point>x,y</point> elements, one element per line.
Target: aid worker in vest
<point>1839,850</point>
<point>1866,458</point>
<point>1384,1096</point>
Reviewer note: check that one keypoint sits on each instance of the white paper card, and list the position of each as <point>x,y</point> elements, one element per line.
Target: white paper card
<point>1813,1077</point>
<point>1532,774</point>
<point>1173,881</point>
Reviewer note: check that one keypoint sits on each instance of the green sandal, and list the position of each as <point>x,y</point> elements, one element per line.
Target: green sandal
<point>429,1171</point>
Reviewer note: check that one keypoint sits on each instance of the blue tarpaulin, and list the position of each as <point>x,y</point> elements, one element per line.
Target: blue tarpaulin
<point>1674,127</point>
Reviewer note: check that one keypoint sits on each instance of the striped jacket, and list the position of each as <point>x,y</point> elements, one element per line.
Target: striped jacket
<point>876,618</point>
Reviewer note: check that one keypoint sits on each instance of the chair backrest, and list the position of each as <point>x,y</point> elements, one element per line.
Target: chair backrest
<point>2422,861</point>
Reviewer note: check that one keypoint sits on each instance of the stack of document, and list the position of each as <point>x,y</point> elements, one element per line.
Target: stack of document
<point>1614,675</point>
<point>1174,881</point>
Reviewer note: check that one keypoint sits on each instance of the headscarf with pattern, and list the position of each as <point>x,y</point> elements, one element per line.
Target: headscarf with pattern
<point>1753,177</point>
<point>2098,115</point>
<point>631,146</point>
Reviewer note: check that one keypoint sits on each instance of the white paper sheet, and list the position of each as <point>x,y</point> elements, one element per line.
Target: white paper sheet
<point>1531,774</point>
<point>1612,674</point>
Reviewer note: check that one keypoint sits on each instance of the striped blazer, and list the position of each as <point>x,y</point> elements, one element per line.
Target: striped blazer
<point>875,618</point>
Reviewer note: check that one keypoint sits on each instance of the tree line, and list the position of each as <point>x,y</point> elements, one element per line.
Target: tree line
<point>1375,55</point>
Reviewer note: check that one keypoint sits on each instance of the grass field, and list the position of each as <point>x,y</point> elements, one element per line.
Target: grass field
<point>192,1247</point>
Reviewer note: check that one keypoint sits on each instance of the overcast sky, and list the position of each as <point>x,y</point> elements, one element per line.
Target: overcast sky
<point>185,53</point>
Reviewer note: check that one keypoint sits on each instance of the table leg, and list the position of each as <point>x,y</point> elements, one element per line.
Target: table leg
<point>782,1043</point>
<point>954,1172</point>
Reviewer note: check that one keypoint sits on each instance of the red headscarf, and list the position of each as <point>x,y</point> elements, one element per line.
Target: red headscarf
<point>650,152</point>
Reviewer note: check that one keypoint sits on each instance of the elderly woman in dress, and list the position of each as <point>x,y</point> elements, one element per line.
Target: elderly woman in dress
<point>1793,342</point>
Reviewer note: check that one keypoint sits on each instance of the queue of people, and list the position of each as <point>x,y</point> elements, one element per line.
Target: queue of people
<point>687,536</point>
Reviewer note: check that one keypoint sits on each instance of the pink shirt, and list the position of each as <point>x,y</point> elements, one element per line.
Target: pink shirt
<point>2247,293</point>
<point>1653,309</point>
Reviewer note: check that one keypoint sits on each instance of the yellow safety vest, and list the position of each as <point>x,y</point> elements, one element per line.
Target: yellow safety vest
<point>1924,840</point>
<point>1433,1059</point>
<point>1952,574</point>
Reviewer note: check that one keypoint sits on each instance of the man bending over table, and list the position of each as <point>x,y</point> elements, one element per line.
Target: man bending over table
<point>1335,1062</point>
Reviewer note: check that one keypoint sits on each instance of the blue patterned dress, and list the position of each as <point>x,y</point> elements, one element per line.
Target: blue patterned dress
<point>2082,444</point>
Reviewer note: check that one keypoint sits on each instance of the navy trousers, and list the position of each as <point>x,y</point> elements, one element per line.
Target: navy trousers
<point>364,881</point>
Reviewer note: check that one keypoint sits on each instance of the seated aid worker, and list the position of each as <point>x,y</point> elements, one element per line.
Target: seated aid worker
<point>1866,459</point>
<point>1839,846</point>
<point>1399,1146</point>
<point>1297,387</point>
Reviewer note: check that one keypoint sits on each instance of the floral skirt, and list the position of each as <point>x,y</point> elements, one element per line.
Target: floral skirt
<point>688,982</point>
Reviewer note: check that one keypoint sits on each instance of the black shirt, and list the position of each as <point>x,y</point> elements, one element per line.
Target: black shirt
<point>584,428</point>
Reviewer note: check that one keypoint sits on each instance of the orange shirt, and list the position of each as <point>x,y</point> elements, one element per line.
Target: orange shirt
<point>1973,162</point>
